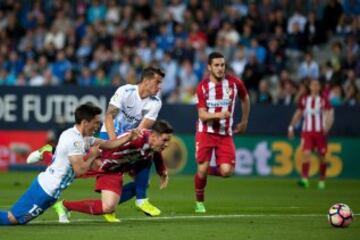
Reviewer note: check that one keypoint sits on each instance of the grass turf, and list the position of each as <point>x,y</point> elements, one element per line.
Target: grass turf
<point>238,208</point>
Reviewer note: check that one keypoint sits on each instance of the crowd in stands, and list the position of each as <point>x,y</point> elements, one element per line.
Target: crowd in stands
<point>274,46</point>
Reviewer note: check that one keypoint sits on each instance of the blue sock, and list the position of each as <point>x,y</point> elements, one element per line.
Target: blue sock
<point>128,192</point>
<point>4,220</point>
<point>141,182</point>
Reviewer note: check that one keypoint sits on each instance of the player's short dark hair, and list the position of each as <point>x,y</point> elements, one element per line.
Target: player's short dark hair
<point>214,55</point>
<point>150,72</point>
<point>162,126</point>
<point>86,112</point>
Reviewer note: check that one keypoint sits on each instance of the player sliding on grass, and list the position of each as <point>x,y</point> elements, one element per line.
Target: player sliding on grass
<point>132,106</point>
<point>129,157</point>
<point>318,119</point>
<point>216,101</point>
<point>70,161</point>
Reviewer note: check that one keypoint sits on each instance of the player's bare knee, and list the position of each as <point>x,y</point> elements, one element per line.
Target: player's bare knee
<point>109,206</point>
<point>226,171</point>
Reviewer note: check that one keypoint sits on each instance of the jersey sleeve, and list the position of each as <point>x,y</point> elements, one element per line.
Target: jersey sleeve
<point>327,104</point>
<point>154,110</point>
<point>241,88</point>
<point>301,103</point>
<point>201,102</point>
<point>76,147</point>
<point>116,98</point>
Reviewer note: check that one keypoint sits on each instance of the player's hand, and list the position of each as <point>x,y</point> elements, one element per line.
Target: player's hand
<point>223,115</point>
<point>164,180</point>
<point>94,151</point>
<point>135,133</point>
<point>240,127</point>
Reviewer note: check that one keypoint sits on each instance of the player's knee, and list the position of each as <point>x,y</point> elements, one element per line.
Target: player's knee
<point>109,206</point>
<point>226,171</point>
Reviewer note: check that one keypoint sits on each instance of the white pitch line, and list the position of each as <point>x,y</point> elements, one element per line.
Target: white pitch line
<point>187,217</point>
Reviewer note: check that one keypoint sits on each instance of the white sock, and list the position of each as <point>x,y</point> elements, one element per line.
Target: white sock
<point>140,201</point>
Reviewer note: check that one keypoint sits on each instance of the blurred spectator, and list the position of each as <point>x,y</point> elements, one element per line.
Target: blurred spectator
<point>187,82</point>
<point>351,95</point>
<point>101,79</point>
<point>86,78</point>
<point>264,96</point>
<point>96,11</point>
<point>332,14</point>
<point>287,93</point>
<point>169,82</point>
<point>309,68</point>
<point>297,19</point>
<point>336,95</point>
<point>239,63</point>
<point>275,58</point>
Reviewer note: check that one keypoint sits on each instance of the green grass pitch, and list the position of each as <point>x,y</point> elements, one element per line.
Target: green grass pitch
<point>238,208</point>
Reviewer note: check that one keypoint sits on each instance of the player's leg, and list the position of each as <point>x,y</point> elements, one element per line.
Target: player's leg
<point>29,206</point>
<point>306,148</point>
<point>110,188</point>
<point>225,156</point>
<point>321,143</point>
<point>141,179</point>
<point>203,152</point>
<point>42,154</point>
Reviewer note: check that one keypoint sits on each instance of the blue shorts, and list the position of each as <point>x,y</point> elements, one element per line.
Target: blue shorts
<point>32,203</point>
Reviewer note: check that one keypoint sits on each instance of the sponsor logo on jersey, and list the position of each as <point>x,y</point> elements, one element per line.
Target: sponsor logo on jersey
<point>218,103</point>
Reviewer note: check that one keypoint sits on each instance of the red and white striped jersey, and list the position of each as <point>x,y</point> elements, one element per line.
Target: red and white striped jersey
<point>218,97</point>
<point>313,109</point>
<point>128,156</point>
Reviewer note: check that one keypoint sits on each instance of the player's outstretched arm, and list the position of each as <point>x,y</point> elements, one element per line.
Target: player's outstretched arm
<point>121,140</point>
<point>110,115</point>
<point>295,119</point>
<point>245,109</point>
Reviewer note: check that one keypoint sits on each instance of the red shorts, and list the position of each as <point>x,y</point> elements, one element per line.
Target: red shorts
<point>206,143</point>
<point>314,141</point>
<point>110,181</point>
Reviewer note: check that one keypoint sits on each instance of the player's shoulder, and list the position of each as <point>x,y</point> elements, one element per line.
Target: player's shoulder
<point>70,135</point>
<point>233,78</point>
<point>128,88</point>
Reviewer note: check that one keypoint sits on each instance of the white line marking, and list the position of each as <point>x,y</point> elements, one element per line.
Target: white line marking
<point>186,217</point>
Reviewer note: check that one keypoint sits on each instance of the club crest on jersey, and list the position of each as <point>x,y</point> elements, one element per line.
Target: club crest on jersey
<point>77,145</point>
<point>144,112</point>
<point>228,92</point>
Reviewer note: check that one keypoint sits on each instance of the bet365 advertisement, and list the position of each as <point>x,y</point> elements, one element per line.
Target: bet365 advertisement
<point>271,156</point>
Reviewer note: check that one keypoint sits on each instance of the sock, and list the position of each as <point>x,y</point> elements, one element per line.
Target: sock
<point>200,184</point>
<point>47,158</point>
<point>305,169</point>
<point>4,220</point>
<point>93,207</point>
<point>322,170</point>
<point>140,201</point>
<point>141,182</point>
<point>214,171</point>
<point>128,192</point>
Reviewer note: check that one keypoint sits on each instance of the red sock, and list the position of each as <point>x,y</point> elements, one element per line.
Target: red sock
<point>47,157</point>
<point>305,169</point>
<point>214,171</point>
<point>322,170</point>
<point>93,207</point>
<point>200,184</point>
